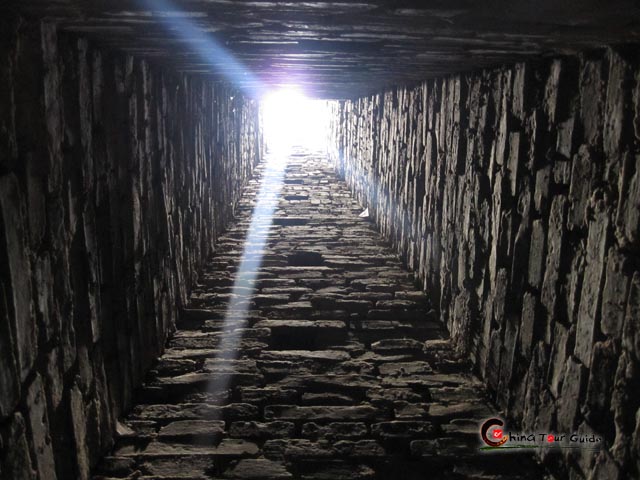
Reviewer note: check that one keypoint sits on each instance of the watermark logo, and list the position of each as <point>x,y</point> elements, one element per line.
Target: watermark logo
<point>492,434</point>
<point>495,436</point>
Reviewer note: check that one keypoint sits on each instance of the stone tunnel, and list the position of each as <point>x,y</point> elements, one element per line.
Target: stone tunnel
<point>446,286</point>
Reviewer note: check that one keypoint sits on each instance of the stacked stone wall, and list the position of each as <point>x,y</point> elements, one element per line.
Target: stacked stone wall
<point>116,179</point>
<point>514,194</point>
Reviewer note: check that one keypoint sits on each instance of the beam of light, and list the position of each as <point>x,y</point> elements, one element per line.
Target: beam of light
<point>292,119</point>
<point>247,274</point>
<point>205,46</point>
<point>289,119</point>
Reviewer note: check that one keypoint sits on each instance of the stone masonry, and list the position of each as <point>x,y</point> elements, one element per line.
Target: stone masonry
<point>116,177</point>
<point>510,192</point>
<point>307,352</point>
<point>514,194</point>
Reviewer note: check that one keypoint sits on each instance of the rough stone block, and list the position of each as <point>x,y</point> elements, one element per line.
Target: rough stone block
<point>8,143</point>
<point>193,428</point>
<point>16,462</point>
<point>513,162</point>
<point>258,468</point>
<point>605,467</point>
<point>571,395</point>
<point>574,284</point>
<point>402,429</point>
<point>493,360</point>
<point>558,359</point>
<point>537,369</point>
<point>625,413</point>
<point>591,292</point>
<point>591,100</point>
<point>527,327</point>
<point>39,426</point>
<point>9,380</point>
<point>228,447</point>
<point>565,148</point>
<point>335,430</point>
<point>79,432</point>
<point>615,112</point>
<point>581,186</point>
<point>507,360</point>
<point>549,293</point>
<point>536,254</point>
<point>614,294</point>
<point>542,187</point>
<point>600,385</point>
<point>631,328</point>
<point>628,213</point>
<point>320,412</point>
<point>17,274</point>
<point>551,90</point>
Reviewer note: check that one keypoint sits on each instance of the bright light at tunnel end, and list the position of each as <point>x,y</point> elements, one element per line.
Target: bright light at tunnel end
<point>291,119</point>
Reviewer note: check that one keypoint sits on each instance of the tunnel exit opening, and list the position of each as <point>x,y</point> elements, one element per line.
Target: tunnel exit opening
<point>290,118</point>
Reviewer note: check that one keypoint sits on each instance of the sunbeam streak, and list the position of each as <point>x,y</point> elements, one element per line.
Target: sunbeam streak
<point>246,275</point>
<point>205,46</point>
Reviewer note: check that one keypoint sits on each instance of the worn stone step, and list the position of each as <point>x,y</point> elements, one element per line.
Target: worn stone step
<point>195,411</point>
<point>290,221</point>
<point>262,430</point>
<point>226,448</point>
<point>326,398</point>
<point>350,384</point>
<point>335,430</point>
<point>306,449</point>
<point>403,429</point>
<point>330,356</point>
<point>216,340</point>
<point>193,428</point>
<point>196,314</point>
<point>372,331</point>
<point>259,469</point>
<point>333,470</point>
<point>468,409</point>
<point>398,346</point>
<point>268,395</point>
<point>319,413</point>
<point>304,334</point>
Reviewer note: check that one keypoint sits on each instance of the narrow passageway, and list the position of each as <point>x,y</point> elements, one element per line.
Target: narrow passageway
<point>177,304</point>
<point>307,352</point>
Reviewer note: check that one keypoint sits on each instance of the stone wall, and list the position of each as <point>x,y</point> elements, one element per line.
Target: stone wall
<point>115,180</point>
<point>514,195</point>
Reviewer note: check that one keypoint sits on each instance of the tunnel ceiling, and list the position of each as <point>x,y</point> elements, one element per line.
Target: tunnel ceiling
<point>345,48</point>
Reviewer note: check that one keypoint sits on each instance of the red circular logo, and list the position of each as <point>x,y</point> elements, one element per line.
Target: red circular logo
<point>491,434</point>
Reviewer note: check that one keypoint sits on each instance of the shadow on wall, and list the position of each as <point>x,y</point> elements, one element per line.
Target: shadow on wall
<point>115,180</point>
<point>514,194</point>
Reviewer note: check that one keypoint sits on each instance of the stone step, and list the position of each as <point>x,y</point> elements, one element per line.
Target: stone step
<point>304,334</point>
<point>160,449</point>
<point>195,411</point>
<point>319,413</point>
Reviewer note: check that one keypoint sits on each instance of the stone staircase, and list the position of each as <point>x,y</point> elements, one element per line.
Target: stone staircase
<point>307,353</point>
